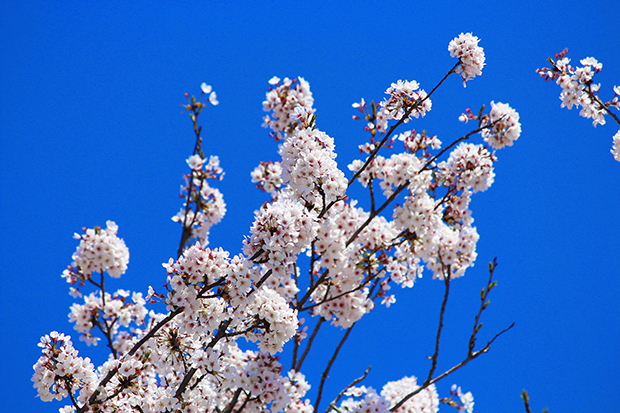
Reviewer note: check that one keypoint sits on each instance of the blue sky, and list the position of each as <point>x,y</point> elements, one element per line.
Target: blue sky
<point>92,129</point>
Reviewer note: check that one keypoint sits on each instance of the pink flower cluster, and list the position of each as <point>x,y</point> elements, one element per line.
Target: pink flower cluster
<point>115,310</point>
<point>268,177</point>
<point>579,89</point>
<point>281,231</point>
<point>282,100</point>
<point>309,167</point>
<point>505,126</point>
<point>341,299</point>
<point>465,48</point>
<point>60,371</point>
<point>406,97</point>
<point>99,250</point>
<point>281,320</point>
<point>469,166</point>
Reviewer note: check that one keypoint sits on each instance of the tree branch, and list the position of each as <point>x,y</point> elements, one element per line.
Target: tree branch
<point>353,383</point>
<point>329,366</point>
<point>446,275</point>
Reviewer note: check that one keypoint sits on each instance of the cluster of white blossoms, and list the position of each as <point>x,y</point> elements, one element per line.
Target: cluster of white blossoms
<point>419,141</point>
<point>200,265</point>
<point>405,96</point>
<point>341,299</point>
<point>469,166</point>
<point>99,250</point>
<point>281,231</point>
<point>60,371</point>
<point>282,99</point>
<point>281,321</point>
<point>268,177</point>
<point>309,167</point>
<point>212,207</point>
<point>366,400</point>
<point>115,310</point>
<point>436,242</point>
<point>579,89</point>
<point>465,48</point>
<point>264,382</point>
<point>505,126</point>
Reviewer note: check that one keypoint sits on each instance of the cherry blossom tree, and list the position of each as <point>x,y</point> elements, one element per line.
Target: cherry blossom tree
<point>313,258</point>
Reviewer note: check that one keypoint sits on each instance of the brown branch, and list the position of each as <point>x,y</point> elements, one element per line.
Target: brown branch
<point>221,333</point>
<point>310,341</point>
<point>446,275</point>
<point>311,289</point>
<point>329,366</point>
<point>353,383</point>
<point>450,371</point>
<point>526,400</point>
<point>233,402</point>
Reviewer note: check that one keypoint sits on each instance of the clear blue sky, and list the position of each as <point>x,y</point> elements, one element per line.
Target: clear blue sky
<point>92,129</point>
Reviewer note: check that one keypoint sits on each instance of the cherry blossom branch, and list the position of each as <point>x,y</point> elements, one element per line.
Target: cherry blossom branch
<point>400,188</point>
<point>329,366</point>
<point>311,289</point>
<point>600,102</point>
<point>107,330</point>
<point>310,341</point>
<point>196,108</point>
<point>405,116</point>
<point>93,398</point>
<point>446,275</point>
<point>332,405</point>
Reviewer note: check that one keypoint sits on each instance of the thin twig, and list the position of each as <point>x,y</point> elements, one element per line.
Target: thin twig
<point>310,340</point>
<point>353,383</point>
<point>446,275</point>
<point>483,304</point>
<point>526,400</point>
